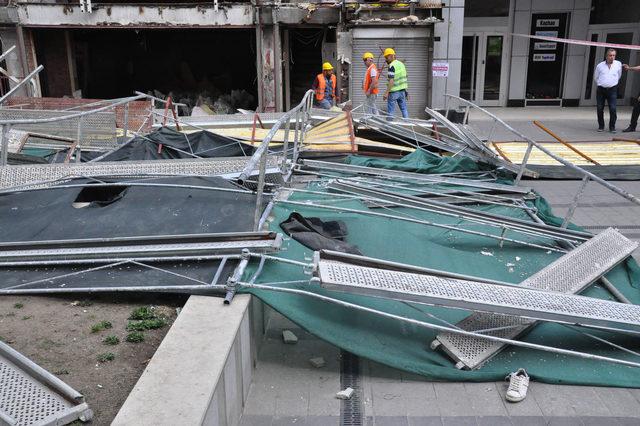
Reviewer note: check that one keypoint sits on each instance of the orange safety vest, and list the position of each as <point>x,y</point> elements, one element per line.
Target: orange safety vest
<point>368,80</point>
<point>322,85</point>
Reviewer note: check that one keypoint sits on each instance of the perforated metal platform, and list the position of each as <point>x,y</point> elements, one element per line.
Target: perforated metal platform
<point>471,295</point>
<point>30,395</point>
<point>196,246</point>
<point>40,175</point>
<point>570,274</point>
<point>98,130</point>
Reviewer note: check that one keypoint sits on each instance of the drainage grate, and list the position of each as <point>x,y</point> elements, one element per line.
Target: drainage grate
<point>350,409</point>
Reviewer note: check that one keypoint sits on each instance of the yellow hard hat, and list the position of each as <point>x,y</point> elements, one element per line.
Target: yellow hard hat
<point>327,66</point>
<point>368,55</point>
<point>389,51</point>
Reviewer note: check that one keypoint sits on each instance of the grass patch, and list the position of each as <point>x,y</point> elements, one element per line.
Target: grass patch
<point>135,337</point>
<point>106,357</point>
<point>149,324</point>
<point>61,372</point>
<point>26,317</point>
<point>18,306</point>
<point>111,340</point>
<point>102,325</point>
<point>142,313</point>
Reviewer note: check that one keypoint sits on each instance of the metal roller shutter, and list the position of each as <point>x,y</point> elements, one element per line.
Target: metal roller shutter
<point>412,48</point>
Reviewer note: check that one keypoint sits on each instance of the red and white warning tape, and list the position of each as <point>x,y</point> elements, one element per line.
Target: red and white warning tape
<point>581,42</point>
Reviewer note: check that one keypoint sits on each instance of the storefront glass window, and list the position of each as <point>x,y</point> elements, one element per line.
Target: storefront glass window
<point>486,8</point>
<point>614,11</point>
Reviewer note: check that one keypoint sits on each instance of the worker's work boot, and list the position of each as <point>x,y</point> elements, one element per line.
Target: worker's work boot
<point>629,129</point>
<point>518,385</point>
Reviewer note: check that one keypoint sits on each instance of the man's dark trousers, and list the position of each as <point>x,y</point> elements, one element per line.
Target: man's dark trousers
<point>609,94</point>
<point>635,113</point>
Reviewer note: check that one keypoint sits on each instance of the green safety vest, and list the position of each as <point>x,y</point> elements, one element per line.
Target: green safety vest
<point>400,81</point>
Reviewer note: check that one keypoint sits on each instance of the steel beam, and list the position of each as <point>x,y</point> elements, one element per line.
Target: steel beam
<point>403,200</point>
<point>396,174</point>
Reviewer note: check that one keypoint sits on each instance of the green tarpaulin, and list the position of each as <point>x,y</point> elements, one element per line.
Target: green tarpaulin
<point>406,346</point>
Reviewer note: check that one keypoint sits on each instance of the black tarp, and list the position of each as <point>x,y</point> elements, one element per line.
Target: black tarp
<point>123,211</point>
<point>317,234</point>
<point>174,145</point>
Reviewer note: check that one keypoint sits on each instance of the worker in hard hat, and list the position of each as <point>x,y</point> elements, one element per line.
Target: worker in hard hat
<point>370,84</point>
<point>325,87</point>
<point>397,84</point>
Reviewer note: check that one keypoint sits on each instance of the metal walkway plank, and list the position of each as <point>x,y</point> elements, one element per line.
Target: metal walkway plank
<point>39,176</point>
<point>569,274</point>
<point>477,296</point>
<point>30,395</point>
<point>159,251</point>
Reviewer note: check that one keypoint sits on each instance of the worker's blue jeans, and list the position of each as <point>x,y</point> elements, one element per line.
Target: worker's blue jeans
<point>324,104</point>
<point>399,97</point>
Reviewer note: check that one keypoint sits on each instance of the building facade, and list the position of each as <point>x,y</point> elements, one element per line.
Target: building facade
<point>272,51</point>
<point>503,70</point>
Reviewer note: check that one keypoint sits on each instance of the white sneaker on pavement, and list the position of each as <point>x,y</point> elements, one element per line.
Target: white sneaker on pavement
<point>518,385</point>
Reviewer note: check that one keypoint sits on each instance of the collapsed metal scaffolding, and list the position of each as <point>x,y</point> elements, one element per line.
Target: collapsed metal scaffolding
<point>448,195</point>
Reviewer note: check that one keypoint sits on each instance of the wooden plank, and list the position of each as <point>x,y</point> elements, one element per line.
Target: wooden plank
<point>567,144</point>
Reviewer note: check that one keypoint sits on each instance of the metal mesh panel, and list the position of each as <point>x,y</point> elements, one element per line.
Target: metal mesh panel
<point>569,274</point>
<point>39,176</point>
<point>98,130</point>
<point>25,399</point>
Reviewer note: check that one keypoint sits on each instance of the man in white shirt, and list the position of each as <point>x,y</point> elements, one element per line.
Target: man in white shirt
<point>606,76</point>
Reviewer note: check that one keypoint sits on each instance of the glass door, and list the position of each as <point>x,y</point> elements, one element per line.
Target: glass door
<point>492,64</point>
<point>482,76</point>
<point>469,67</point>
<point>595,55</point>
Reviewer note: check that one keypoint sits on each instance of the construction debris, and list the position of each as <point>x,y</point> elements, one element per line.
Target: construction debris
<point>186,223</point>
<point>345,394</point>
<point>289,338</point>
<point>318,362</point>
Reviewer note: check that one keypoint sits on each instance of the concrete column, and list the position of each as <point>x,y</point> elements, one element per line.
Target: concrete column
<point>30,61</point>
<point>574,77</point>
<point>519,53</point>
<point>286,73</point>
<point>447,47</point>
<point>343,51</point>
<point>277,61</point>
<point>269,64</point>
